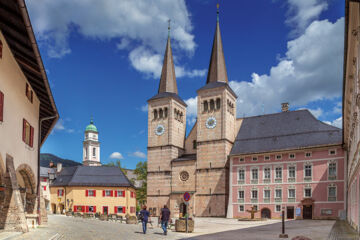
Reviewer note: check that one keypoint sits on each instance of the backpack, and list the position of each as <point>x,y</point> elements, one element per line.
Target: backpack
<point>141,216</point>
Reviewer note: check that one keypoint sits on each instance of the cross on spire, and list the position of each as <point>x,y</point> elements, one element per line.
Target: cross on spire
<point>169,27</point>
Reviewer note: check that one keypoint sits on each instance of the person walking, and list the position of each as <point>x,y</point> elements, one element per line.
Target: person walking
<point>165,218</point>
<point>144,217</point>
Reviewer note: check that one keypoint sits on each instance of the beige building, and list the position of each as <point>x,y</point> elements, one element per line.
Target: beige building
<point>27,115</point>
<point>92,189</point>
<point>198,163</point>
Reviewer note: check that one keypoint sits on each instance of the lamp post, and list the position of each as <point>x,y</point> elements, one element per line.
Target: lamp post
<point>283,234</point>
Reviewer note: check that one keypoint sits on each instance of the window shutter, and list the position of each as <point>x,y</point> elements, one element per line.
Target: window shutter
<point>87,208</point>
<point>24,130</point>
<point>94,193</point>
<point>123,192</point>
<point>86,193</point>
<point>123,209</point>
<point>74,208</point>
<point>94,209</point>
<point>134,194</point>
<point>103,193</point>
<point>1,106</point>
<point>115,193</point>
<point>131,194</point>
<point>44,188</point>
<point>83,209</point>
<point>115,209</point>
<point>111,193</point>
<point>31,136</point>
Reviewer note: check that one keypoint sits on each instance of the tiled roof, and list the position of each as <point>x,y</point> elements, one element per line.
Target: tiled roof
<point>92,176</point>
<point>44,171</point>
<point>168,94</point>
<point>284,131</point>
<point>185,157</point>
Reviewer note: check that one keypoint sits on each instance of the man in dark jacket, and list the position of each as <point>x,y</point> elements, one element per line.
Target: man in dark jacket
<point>165,218</point>
<point>144,216</point>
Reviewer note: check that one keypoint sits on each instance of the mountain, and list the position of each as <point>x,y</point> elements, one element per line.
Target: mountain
<point>46,158</point>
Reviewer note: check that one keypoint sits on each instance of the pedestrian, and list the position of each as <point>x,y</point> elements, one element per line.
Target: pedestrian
<point>144,217</point>
<point>165,218</point>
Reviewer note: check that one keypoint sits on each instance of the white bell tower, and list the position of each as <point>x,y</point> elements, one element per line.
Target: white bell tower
<point>91,146</point>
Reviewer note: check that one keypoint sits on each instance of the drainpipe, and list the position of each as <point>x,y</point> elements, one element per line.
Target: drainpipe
<point>38,180</point>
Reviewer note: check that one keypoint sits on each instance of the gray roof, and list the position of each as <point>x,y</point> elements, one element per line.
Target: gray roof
<point>168,94</point>
<point>95,176</point>
<point>284,131</point>
<point>44,171</point>
<point>185,157</point>
<point>168,79</point>
<point>218,85</point>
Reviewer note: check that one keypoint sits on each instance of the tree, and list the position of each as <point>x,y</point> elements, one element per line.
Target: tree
<point>117,164</point>
<point>141,173</point>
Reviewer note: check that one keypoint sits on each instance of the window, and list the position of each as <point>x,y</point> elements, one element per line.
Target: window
<point>278,173</point>
<point>194,144</point>
<point>307,192</point>
<point>119,209</point>
<point>29,93</point>
<point>292,171</point>
<point>241,194</point>
<point>254,174</point>
<point>79,208</point>
<point>91,193</point>
<point>241,159</point>
<point>308,154</point>
<point>108,193</point>
<point>1,104</point>
<point>218,103</point>
<point>91,209</point>
<point>278,193</point>
<point>308,171</point>
<point>254,194</point>
<point>206,106</point>
<point>292,155</point>
<point>86,153</point>
<point>278,208</point>
<point>267,173</point>
<point>332,152</point>
<point>132,209</point>
<point>166,112</point>
<point>241,174</point>
<point>255,207</point>
<point>332,193</point>
<point>212,105</point>
<point>120,193</point>
<point>60,192</point>
<point>155,114</point>
<point>28,133</point>
<point>291,193</point>
<point>332,170</point>
<point>254,158</point>
<point>267,194</point>
<point>241,208</point>
<point>133,194</point>
<point>278,157</point>
<point>161,113</point>
<point>267,158</point>
<point>94,152</point>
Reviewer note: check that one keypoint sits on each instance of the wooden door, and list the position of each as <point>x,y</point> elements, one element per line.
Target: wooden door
<point>307,212</point>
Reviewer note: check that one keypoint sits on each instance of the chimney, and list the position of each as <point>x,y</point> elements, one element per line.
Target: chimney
<point>51,164</point>
<point>285,107</point>
<point>58,167</point>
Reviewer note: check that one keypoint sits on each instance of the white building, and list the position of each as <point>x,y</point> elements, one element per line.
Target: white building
<point>91,146</point>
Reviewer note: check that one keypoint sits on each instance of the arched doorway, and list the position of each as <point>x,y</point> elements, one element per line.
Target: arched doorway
<point>53,208</point>
<point>265,213</point>
<point>183,209</point>
<point>26,181</point>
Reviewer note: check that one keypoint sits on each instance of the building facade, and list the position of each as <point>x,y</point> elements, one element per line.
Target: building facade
<point>351,104</point>
<point>27,115</point>
<point>45,174</point>
<point>93,189</point>
<point>291,162</point>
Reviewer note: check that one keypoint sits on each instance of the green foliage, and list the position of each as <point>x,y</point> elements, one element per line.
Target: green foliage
<point>116,164</point>
<point>141,172</point>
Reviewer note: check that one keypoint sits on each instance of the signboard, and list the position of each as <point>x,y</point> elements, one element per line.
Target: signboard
<point>298,212</point>
<point>186,196</point>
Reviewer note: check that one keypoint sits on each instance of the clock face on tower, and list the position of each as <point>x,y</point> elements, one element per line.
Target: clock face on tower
<point>159,130</point>
<point>210,122</point>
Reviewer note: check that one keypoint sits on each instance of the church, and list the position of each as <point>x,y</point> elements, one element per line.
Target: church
<point>200,162</point>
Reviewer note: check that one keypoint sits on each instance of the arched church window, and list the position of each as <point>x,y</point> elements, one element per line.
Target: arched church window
<point>181,117</point>
<point>94,152</point>
<point>206,106</point>
<point>160,113</point>
<point>218,103</point>
<point>212,104</point>
<point>155,114</point>
<point>166,112</point>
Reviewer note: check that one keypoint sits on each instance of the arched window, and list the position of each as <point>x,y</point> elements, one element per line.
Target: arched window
<point>94,152</point>
<point>160,113</point>
<point>155,114</point>
<point>206,106</point>
<point>166,112</point>
<point>181,117</point>
<point>212,104</point>
<point>218,103</point>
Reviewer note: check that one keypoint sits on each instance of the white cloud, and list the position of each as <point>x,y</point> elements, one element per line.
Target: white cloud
<point>311,71</point>
<point>138,154</point>
<point>140,26</point>
<point>337,122</point>
<point>144,108</point>
<point>60,126</point>
<point>316,112</point>
<point>191,111</point>
<point>302,13</point>
<point>338,108</point>
<point>116,155</point>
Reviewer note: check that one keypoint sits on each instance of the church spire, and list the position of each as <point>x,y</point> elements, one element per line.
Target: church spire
<point>168,78</point>
<point>217,68</point>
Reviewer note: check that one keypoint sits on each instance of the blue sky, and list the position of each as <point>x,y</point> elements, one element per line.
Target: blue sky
<point>103,59</point>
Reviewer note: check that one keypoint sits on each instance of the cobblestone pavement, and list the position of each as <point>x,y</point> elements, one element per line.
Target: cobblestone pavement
<point>342,231</point>
<point>64,228</point>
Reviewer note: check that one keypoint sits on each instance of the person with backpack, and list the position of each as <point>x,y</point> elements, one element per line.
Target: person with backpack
<point>165,218</point>
<point>144,217</point>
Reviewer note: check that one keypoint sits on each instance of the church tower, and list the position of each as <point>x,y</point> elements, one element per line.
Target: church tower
<point>216,114</point>
<point>166,134</point>
<point>91,146</point>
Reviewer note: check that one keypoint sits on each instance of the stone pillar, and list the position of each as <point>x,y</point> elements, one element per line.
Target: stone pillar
<point>12,217</point>
<point>43,212</point>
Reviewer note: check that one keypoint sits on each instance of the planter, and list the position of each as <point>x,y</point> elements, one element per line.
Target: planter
<point>180,225</point>
<point>69,214</point>
<point>103,217</point>
<point>131,220</point>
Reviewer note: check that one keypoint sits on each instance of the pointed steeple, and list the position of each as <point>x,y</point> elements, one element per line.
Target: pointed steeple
<point>168,78</point>
<point>217,68</point>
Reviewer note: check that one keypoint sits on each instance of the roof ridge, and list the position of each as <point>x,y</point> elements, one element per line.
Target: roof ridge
<point>269,114</point>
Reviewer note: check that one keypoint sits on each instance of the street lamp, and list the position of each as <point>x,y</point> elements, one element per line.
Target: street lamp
<point>283,234</point>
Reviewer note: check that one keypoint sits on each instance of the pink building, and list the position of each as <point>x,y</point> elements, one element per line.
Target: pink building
<point>287,161</point>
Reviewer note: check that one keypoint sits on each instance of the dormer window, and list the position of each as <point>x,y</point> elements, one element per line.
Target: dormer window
<point>29,93</point>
